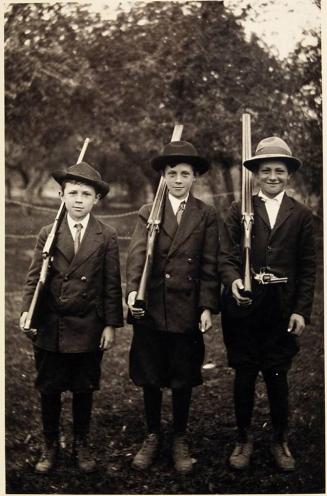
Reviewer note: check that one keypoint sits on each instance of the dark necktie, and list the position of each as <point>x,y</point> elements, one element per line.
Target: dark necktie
<point>77,240</point>
<point>180,211</point>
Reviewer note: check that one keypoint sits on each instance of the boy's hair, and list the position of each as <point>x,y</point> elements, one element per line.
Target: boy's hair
<point>75,181</point>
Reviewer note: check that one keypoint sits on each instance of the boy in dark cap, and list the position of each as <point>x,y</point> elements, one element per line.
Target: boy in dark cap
<point>167,348</point>
<point>80,310</point>
<point>261,331</point>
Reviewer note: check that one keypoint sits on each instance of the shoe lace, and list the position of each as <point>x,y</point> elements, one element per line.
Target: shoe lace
<point>246,448</point>
<point>182,448</point>
<point>149,442</point>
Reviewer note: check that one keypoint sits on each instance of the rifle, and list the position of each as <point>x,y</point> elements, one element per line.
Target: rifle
<point>263,277</point>
<point>153,226</point>
<point>247,206</point>
<point>47,254</point>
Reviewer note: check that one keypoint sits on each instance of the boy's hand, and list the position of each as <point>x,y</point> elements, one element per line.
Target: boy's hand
<point>107,338</point>
<point>205,321</point>
<point>296,324</point>
<point>137,313</point>
<point>30,333</point>
<point>237,287</point>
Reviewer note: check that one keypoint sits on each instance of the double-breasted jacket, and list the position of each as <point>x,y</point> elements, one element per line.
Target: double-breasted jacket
<point>83,291</point>
<point>184,277</point>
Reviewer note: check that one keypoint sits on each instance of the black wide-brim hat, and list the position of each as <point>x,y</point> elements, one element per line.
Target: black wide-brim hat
<point>177,152</point>
<point>84,173</point>
<point>273,148</point>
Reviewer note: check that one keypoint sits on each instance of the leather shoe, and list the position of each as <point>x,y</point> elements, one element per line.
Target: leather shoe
<point>81,453</point>
<point>283,457</point>
<point>147,453</point>
<point>48,458</point>
<point>181,455</point>
<point>241,455</point>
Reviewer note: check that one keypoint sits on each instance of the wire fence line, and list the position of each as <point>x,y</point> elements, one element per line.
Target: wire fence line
<point>29,236</point>
<point>53,210</point>
<point>113,216</point>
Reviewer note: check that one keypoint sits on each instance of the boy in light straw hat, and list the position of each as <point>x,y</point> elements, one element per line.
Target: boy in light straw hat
<point>167,348</point>
<point>81,308</point>
<point>261,332</point>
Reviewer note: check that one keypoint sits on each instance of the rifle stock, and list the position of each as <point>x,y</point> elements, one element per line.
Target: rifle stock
<point>47,256</point>
<point>153,226</point>
<point>247,206</point>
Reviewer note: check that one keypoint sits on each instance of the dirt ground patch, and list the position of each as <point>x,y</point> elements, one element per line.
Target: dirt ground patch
<point>117,426</point>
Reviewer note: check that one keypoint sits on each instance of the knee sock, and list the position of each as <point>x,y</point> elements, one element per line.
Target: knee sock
<point>50,411</point>
<point>152,397</point>
<point>181,399</point>
<point>277,390</point>
<point>82,408</point>
<point>244,387</point>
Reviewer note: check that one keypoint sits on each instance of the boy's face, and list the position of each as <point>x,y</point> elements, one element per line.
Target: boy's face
<point>79,199</point>
<point>272,177</point>
<point>179,179</point>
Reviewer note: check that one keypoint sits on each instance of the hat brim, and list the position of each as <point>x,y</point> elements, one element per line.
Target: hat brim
<point>100,186</point>
<point>292,163</point>
<point>200,164</point>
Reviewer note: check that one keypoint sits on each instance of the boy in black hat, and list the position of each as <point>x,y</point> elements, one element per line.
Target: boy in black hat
<point>81,308</point>
<point>261,331</point>
<point>167,348</point>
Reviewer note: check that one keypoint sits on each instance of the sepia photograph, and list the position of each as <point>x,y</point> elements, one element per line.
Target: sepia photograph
<point>164,221</point>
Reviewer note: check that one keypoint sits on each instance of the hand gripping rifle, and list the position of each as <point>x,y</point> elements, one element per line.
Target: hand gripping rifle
<point>47,254</point>
<point>153,226</point>
<point>263,277</point>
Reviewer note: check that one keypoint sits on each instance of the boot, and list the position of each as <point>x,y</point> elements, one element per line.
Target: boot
<point>146,455</point>
<point>282,456</point>
<point>48,458</point>
<point>241,455</point>
<point>81,453</point>
<point>181,455</point>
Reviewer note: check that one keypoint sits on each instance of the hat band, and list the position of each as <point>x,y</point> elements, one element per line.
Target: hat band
<point>272,150</point>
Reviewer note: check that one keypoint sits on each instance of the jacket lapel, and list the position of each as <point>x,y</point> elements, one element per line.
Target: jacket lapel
<point>284,212</point>
<point>90,243</point>
<point>64,241</point>
<point>261,209</point>
<point>190,220</point>
<point>169,224</point>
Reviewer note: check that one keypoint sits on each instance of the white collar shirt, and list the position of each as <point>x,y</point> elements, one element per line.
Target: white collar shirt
<point>175,202</point>
<point>72,223</point>
<point>272,205</point>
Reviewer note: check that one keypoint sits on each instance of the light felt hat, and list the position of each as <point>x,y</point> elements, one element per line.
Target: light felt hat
<point>273,148</point>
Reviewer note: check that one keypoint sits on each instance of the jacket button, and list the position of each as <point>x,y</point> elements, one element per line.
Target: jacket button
<point>189,260</point>
<point>84,295</point>
<point>167,276</point>
<point>269,248</point>
<point>66,278</point>
<point>83,278</point>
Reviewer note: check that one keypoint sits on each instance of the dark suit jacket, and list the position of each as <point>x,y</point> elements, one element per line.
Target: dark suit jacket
<point>184,277</point>
<point>288,250</point>
<point>83,292</point>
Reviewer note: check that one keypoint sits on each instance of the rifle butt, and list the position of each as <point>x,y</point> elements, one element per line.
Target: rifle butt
<point>247,283</point>
<point>29,322</point>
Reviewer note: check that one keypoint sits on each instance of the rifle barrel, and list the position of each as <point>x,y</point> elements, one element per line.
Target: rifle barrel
<point>153,224</point>
<point>46,253</point>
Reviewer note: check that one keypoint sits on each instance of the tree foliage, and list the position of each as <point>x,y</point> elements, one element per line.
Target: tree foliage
<point>124,82</point>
